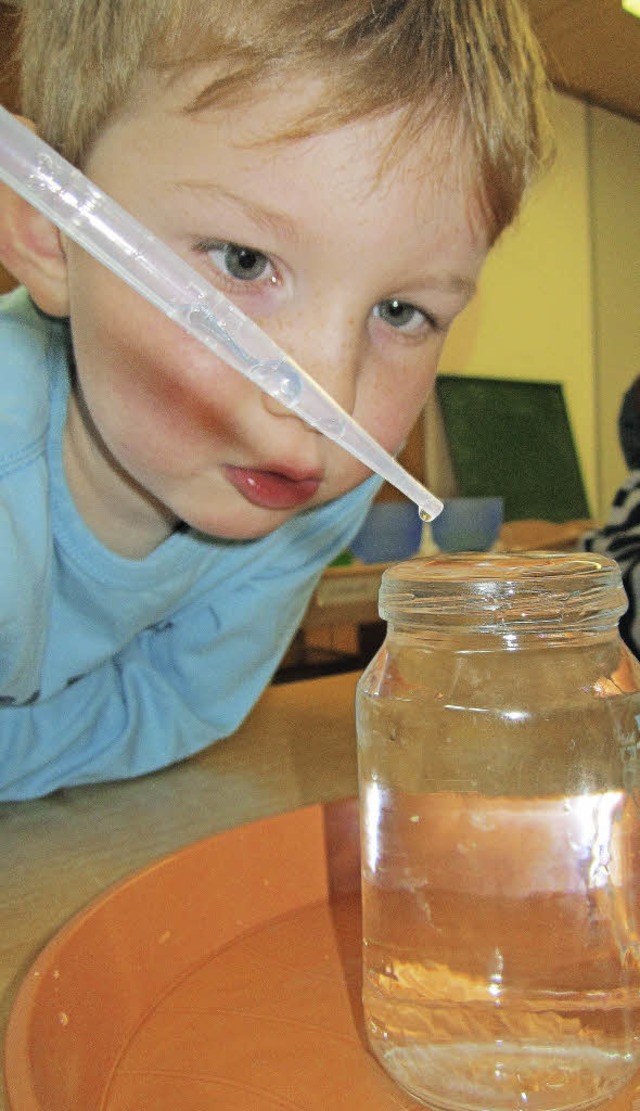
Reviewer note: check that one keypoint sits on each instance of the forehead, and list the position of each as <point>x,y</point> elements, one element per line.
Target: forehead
<point>371,156</point>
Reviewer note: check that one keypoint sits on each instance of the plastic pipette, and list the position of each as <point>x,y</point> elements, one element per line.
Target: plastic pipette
<point>103,228</point>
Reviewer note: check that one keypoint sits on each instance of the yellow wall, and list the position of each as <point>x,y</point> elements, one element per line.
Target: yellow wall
<point>559,299</point>
<point>532,316</point>
<point>614,148</point>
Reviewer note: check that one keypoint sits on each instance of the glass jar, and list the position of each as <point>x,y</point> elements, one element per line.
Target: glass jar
<point>498,770</point>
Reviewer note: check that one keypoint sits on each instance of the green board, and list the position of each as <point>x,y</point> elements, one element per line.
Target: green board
<point>514,439</point>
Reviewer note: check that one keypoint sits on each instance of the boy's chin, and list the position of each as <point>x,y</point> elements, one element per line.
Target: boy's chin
<point>239,530</point>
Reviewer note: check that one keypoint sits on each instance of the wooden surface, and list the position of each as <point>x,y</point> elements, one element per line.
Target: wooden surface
<point>592,49</point>
<point>296,748</point>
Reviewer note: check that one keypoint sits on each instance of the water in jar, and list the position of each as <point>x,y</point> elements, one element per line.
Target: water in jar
<point>465,1006</point>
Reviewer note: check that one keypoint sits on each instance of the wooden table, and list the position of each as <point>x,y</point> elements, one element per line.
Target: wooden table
<point>296,748</point>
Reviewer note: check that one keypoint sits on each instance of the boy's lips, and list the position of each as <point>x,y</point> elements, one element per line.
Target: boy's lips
<point>273,489</point>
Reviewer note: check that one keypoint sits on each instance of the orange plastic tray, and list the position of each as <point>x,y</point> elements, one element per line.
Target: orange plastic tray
<point>225,976</point>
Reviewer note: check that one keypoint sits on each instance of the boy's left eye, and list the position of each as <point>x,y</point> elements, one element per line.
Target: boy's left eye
<point>403,316</point>
<point>244,264</point>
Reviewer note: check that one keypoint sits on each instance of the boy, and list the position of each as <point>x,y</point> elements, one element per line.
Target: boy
<point>340,169</point>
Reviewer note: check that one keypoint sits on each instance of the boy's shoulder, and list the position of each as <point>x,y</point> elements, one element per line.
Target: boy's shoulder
<point>29,341</point>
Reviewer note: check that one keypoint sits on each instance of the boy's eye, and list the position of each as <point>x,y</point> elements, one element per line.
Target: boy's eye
<point>402,315</point>
<point>242,263</point>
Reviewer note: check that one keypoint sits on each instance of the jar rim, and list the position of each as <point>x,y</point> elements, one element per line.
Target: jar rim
<point>502,566</point>
<point>490,588</point>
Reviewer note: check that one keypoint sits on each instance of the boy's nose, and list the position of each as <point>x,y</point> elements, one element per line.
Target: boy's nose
<point>331,357</point>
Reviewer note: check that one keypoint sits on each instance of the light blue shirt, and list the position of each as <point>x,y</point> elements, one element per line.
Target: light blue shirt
<point>111,667</point>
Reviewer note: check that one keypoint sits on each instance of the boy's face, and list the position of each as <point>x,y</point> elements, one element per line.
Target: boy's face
<point>357,274</point>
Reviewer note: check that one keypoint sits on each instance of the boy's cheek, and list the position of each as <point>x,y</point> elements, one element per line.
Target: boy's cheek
<point>165,387</point>
<point>146,371</point>
<point>119,335</point>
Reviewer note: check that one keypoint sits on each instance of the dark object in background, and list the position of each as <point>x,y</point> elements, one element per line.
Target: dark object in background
<point>513,438</point>
<point>629,426</point>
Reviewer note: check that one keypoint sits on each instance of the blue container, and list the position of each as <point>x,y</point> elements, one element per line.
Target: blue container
<point>468,524</point>
<point>392,531</point>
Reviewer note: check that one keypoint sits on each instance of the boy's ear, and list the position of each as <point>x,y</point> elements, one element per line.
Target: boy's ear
<point>31,249</point>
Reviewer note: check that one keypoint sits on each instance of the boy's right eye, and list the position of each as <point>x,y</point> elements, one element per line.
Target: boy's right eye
<point>243,264</point>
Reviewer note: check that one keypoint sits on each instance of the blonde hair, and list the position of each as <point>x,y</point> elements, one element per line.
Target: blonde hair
<point>472,63</point>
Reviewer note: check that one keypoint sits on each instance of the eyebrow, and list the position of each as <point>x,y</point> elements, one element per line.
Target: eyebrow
<point>270,220</point>
<point>448,284</point>
<point>275,221</point>
<point>456,284</point>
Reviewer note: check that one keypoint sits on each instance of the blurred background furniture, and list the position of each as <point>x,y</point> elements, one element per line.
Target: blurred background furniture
<point>509,438</point>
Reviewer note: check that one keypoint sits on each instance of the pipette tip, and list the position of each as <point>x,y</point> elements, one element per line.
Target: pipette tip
<point>430,512</point>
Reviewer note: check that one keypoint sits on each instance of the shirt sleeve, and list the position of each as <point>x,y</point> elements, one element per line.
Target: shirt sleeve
<point>185,682</point>
<point>25,576</point>
<point>25,537</point>
<point>619,539</point>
